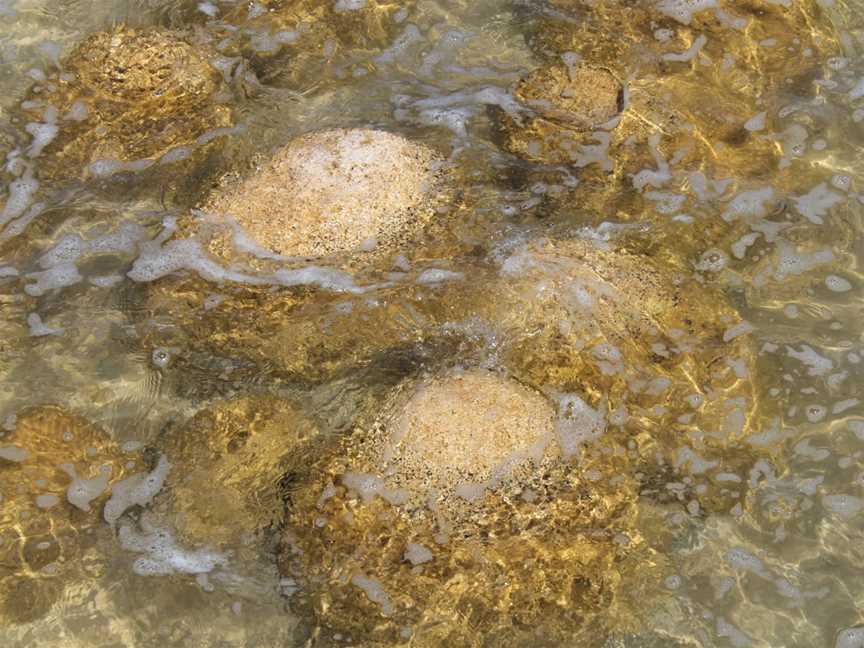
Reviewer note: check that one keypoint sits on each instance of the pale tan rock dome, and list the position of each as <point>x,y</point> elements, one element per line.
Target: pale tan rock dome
<point>336,191</point>
<point>467,431</point>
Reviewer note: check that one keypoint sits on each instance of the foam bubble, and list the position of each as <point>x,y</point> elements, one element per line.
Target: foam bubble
<point>349,5</point>
<point>690,53</point>
<point>815,204</point>
<point>374,592</point>
<point>78,111</point>
<point>38,328</point>
<point>749,205</point>
<point>60,276</point>
<point>162,555</point>
<point>436,276</point>
<point>81,492</point>
<point>417,554</point>
<point>43,135</point>
<point>14,453</point>
<point>47,501</point>
<point>20,197</point>
<point>756,123</point>
<point>683,10</point>
<point>844,506</point>
<point>577,423</point>
<point>850,638</point>
<point>742,328</point>
<point>137,490</point>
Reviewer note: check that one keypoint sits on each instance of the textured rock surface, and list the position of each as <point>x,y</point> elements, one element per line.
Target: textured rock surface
<point>335,192</point>
<point>126,97</point>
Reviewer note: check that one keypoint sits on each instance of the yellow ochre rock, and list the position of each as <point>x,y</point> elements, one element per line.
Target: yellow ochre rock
<point>124,99</point>
<point>56,471</point>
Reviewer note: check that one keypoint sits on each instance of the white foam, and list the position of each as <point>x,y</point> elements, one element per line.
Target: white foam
<point>837,284</point>
<point>696,464</point>
<point>436,276</point>
<point>368,486</point>
<point>156,261</point>
<point>815,204</point>
<point>38,328</point>
<point>577,423</point>
<point>742,328</point>
<point>684,10</point>
<point>417,554</point>
<point>690,53</point>
<point>850,638</point>
<point>374,592</point>
<point>59,276</point>
<point>81,492</point>
<point>739,247</point>
<point>844,506</point>
<point>162,555</point>
<point>658,177</point>
<point>326,278</point>
<point>749,205</point>
<point>756,123</point>
<point>817,365</point>
<point>792,262</point>
<point>20,197</point>
<point>410,35</point>
<point>78,111</point>
<point>208,9</point>
<point>47,501</point>
<point>43,135</point>
<point>349,5</point>
<point>138,490</point>
<point>14,453</point>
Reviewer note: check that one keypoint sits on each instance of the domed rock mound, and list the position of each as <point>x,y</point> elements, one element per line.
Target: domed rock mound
<point>56,471</point>
<point>459,434</point>
<point>564,104</point>
<point>334,192</point>
<point>126,99</point>
<point>233,456</point>
<point>457,516</point>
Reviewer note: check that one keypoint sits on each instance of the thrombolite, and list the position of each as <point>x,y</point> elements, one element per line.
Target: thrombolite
<point>124,100</point>
<point>685,127</point>
<point>56,472</point>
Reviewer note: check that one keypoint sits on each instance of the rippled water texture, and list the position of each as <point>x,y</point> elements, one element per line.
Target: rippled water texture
<point>434,323</point>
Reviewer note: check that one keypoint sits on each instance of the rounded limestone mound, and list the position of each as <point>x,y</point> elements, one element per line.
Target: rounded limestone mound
<point>565,102</point>
<point>336,192</point>
<point>124,100</point>
<point>456,514</point>
<point>659,346</point>
<point>459,434</point>
<point>233,455</point>
<point>56,471</point>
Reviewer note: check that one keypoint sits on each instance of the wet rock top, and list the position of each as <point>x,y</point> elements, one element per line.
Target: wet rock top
<point>335,191</point>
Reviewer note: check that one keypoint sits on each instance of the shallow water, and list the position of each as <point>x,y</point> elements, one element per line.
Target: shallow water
<point>751,188</point>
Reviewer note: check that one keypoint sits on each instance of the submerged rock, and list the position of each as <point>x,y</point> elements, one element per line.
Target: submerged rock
<point>566,102</point>
<point>336,192</point>
<point>230,459</point>
<point>391,537</point>
<point>56,472</point>
<point>459,434</point>
<point>696,80</point>
<point>124,99</point>
<point>291,41</point>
